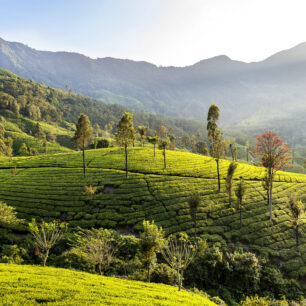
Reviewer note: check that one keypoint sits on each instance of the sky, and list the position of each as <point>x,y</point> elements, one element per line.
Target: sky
<point>163,32</point>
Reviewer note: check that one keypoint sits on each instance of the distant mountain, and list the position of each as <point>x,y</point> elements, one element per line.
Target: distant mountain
<point>249,94</point>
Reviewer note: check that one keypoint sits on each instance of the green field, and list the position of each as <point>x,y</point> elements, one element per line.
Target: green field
<point>34,285</point>
<point>52,186</point>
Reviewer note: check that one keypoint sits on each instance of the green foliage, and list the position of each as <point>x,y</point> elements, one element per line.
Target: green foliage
<point>46,235</point>
<point>151,239</point>
<point>8,215</point>
<point>98,245</point>
<point>125,135</point>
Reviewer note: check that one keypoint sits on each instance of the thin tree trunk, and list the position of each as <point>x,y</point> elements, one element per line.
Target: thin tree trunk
<point>218,171</point>
<point>247,155</point>
<point>126,161</point>
<point>230,197</point>
<point>165,165</point>
<point>179,280</point>
<point>270,197</point>
<point>45,258</point>
<point>232,153</point>
<point>297,235</point>
<point>154,150</point>
<point>149,275</point>
<point>84,165</point>
<point>240,214</point>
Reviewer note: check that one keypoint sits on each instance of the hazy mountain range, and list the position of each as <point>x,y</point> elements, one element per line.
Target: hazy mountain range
<point>249,94</point>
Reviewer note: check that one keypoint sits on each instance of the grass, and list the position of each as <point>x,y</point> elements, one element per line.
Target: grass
<point>34,285</point>
<point>52,187</point>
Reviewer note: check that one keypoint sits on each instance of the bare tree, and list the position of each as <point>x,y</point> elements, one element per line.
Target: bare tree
<point>178,253</point>
<point>47,235</point>
<point>98,245</point>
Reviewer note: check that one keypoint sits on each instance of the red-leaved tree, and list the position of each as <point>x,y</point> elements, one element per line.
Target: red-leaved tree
<point>273,153</point>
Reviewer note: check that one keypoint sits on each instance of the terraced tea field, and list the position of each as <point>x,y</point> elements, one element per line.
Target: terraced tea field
<point>52,186</point>
<point>33,285</point>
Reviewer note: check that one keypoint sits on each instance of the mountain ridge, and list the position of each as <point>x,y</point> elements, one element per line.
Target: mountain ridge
<point>240,89</point>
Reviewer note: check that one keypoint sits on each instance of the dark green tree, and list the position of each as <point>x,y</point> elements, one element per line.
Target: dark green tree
<point>125,135</point>
<point>216,147</point>
<point>151,240</point>
<point>229,181</point>
<point>194,203</point>
<point>296,209</point>
<point>240,194</point>
<point>82,135</point>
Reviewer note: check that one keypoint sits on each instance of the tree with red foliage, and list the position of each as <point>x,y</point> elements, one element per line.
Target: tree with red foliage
<point>273,153</point>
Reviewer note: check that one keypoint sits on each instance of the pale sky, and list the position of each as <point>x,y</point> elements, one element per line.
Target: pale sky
<point>164,32</point>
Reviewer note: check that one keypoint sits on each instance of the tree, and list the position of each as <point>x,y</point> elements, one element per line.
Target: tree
<point>272,152</point>
<point>8,214</point>
<point>247,148</point>
<point>240,194</point>
<point>266,185</point>
<point>23,150</point>
<point>142,132</point>
<point>194,203</point>
<point>178,253</point>
<point>229,181</point>
<point>153,140</point>
<point>151,240</point>
<point>46,235</point>
<point>172,142</point>
<point>98,245</point>
<point>45,144</point>
<point>125,135</point>
<point>186,141</point>
<point>38,132</point>
<point>201,147</point>
<point>217,147</point>
<point>235,153</point>
<point>162,131</point>
<point>82,135</point>
<point>163,144</point>
<point>296,209</point>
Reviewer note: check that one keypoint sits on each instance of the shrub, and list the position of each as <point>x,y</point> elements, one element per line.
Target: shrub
<point>164,274</point>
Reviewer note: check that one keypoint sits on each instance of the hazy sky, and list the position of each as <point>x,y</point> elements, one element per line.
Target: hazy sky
<point>164,32</point>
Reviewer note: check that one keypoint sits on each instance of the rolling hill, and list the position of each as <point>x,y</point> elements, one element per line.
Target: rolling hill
<point>52,187</point>
<point>24,104</point>
<point>34,285</point>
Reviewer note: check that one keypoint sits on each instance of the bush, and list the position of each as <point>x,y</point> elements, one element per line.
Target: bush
<point>13,254</point>
<point>76,259</point>
<point>164,274</point>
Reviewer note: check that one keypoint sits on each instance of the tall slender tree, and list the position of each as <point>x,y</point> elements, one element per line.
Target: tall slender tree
<point>82,135</point>
<point>273,154</point>
<point>216,147</point>
<point>229,181</point>
<point>125,135</point>
<point>142,132</point>
<point>163,144</point>
<point>194,203</point>
<point>240,194</point>
<point>153,140</point>
<point>296,208</point>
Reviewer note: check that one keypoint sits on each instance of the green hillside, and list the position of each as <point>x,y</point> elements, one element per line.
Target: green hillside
<point>52,187</point>
<point>34,285</point>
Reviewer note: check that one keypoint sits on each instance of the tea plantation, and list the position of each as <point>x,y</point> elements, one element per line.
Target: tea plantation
<point>34,285</point>
<point>52,187</point>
